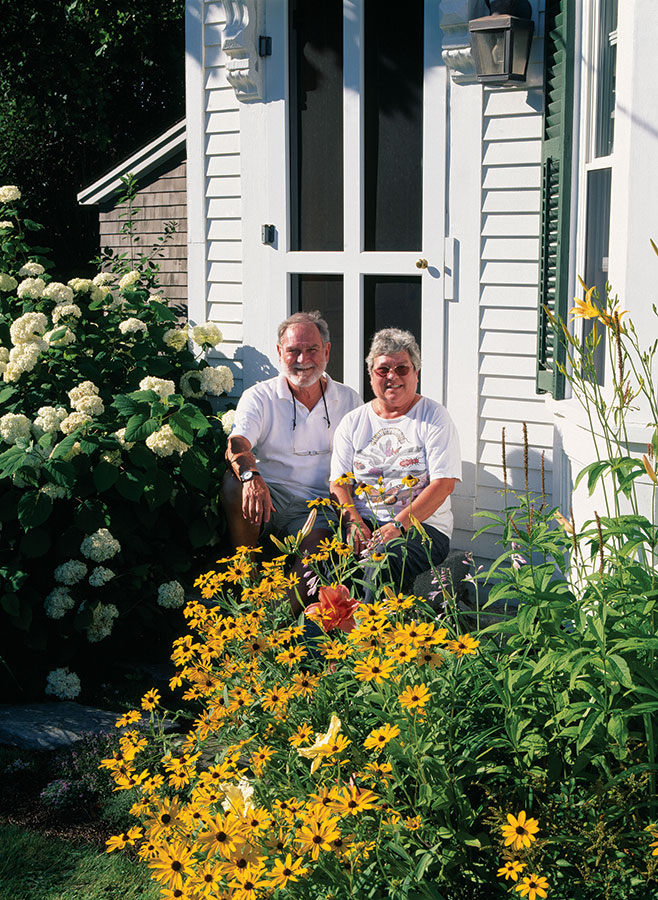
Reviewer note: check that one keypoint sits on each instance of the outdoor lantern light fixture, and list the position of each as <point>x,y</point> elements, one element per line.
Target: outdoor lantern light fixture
<point>501,42</point>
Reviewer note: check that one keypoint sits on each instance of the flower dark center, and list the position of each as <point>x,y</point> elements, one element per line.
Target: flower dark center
<point>176,866</point>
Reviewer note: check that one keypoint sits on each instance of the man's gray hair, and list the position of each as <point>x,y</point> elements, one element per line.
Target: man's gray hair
<point>393,340</point>
<point>304,318</point>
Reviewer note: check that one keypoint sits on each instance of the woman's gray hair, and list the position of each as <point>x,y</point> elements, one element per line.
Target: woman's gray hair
<point>304,318</point>
<point>393,340</point>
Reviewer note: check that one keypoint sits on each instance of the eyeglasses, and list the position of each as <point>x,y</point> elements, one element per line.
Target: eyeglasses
<point>383,371</point>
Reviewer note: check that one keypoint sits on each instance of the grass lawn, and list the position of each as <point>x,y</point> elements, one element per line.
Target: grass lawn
<point>35,867</point>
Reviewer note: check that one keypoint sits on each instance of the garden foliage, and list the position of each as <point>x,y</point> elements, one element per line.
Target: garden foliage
<point>395,753</point>
<point>110,458</point>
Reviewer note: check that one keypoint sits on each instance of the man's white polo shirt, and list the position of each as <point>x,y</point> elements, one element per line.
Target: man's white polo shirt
<point>299,457</point>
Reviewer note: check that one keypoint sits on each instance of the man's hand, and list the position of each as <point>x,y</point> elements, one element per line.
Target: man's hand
<point>257,503</point>
<point>384,534</point>
<point>358,534</point>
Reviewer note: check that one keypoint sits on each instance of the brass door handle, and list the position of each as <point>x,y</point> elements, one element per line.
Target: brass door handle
<point>421,263</point>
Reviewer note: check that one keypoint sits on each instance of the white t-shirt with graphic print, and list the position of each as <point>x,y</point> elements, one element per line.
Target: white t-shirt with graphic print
<point>423,443</point>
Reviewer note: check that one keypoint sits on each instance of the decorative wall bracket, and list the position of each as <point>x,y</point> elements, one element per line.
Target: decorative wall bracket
<point>244,20</point>
<point>454,18</point>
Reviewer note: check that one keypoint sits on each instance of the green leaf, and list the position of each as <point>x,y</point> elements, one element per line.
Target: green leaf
<point>199,533</point>
<point>130,486</point>
<point>7,393</point>
<point>105,476</point>
<point>34,508</point>
<point>181,427</point>
<point>586,732</point>
<point>193,470</point>
<point>139,427</point>
<point>620,670</point>
<point>61,472</point>
<point>64,447</point>
<point>159,491</point>
<point>11,461</point>
<point>11,604</point>
<point>124,405</point>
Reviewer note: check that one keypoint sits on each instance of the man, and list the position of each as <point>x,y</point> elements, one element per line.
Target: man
<point>279,450</point>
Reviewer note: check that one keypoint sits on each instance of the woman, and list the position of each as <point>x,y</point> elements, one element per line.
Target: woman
<point>403,450</point>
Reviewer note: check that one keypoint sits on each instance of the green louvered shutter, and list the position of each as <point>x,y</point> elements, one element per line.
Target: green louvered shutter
<point>556,190</point>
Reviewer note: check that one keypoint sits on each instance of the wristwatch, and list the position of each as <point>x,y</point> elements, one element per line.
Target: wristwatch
<point>248,475</point>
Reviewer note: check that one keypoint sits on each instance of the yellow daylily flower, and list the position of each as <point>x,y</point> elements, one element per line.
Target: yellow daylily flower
<point>323,744</point>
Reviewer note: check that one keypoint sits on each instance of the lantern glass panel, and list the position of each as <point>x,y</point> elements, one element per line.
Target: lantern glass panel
<point>521,37</point>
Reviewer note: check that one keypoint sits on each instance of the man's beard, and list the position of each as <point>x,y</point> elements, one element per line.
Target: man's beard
<point>304,378</point>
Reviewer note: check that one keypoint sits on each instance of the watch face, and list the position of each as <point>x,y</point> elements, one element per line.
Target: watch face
<point>247,476</point>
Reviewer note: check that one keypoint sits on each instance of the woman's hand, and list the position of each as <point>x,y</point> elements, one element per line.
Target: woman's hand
<point>384,534</point>
<point>358,534</point>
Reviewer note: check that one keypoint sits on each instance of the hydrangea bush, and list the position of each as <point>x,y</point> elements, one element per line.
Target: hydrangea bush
<point>110,456</point>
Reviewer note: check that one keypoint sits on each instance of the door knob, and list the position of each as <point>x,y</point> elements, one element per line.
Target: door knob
<point>421,263</point>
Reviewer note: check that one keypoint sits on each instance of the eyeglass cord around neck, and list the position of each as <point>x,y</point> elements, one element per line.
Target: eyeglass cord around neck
<point>294,407</point>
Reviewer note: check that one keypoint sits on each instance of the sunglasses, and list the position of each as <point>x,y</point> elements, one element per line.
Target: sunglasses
<point>383,371</point>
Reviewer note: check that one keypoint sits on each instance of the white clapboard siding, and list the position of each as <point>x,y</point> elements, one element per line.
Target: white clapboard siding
<point>223,197</point>
<point>509,273</point>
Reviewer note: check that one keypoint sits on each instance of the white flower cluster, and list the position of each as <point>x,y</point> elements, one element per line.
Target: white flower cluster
<point>103,279</point>
<point>171,595</point>
<point>22,358</point>
<point>186,384</point>
<point>5,224</point>
<point>7,282</point>
<point>100,546</point>
<point>49,418</point>
<point>58,292</point>
<point>102,622</point>
<point>84,398</point>
<point>9,193</point>
<point>28,328</point>
<point>74,421</point>
<point>63,683</point>
<point>216,381</point>
<point>227,421</point>
<point>65,310</point>
<point>33,269</point>
<point>54,491</point>
<point>120,435</point>
<point>176,338</point>
<point>132,326</point>
<point>129,279</point>
<point>87,286</point>
<point>15,427</point>
<point>164,442</point>
<point>58,603</point>
<point>31,288</point>
<point>67,338</point>
<point>100,576</point>
<point>162,386</point>
<point>208,333</point>
<point>71,572</point>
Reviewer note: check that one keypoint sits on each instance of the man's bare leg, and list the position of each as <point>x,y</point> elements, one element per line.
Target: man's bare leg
<point>242,533</point>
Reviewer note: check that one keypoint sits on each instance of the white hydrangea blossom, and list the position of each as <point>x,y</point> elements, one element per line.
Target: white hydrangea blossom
<point>84,389</point>
<point>70,572</point>
<point>217,380</point>
<point>28,327</point>
<point>163,387</point>
<point>32,269</point>
<point>208,333</point>
<point>65,310</point>
<point>132,326</point>
<point>176,338</point>
<point>6,224</point>
<point>227,421</point>
<point>186,388</point>
<point>67,338</point>
<point>74,421</point>
<point>164,442</point>
<point>90,405</point>
<point>171,595</point>
<point>22,358</point>
<point>58,603</point>
<point>100,546</point>
<point>15,427</point>
<point>9,193</point>
<point>63,683</point>
<point>31,288</point>
<point>60,293</point>
<point>100,576</point>
<point>102,279</point>
<point>129,279</point>
<point>102,622</point>
<point>54,491</point>
<point>7,282</point>
<point>120,435</point>
<point>75,450</point>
